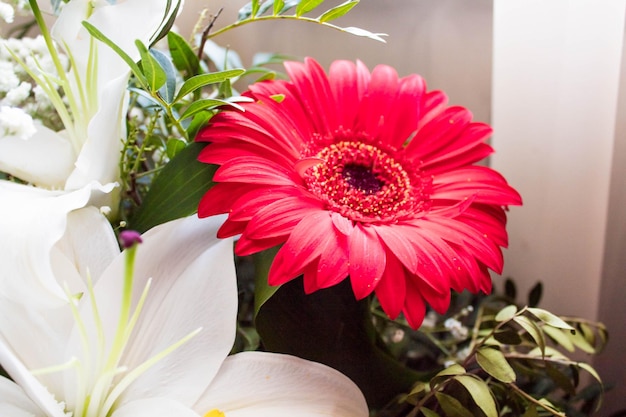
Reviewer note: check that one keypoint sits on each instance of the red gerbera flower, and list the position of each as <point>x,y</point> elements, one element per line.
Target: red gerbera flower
<point>360,174</point>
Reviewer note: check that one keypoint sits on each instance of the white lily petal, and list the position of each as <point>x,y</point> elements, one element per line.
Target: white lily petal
<point>45,159</point>
<point>154,407</point>
<point>32,221</point>
<point>30,386</point>
<point>252,384</point>
<point>15,403</point>
<point>141,20</point>
<point>99,157</point>
<point>193,286</point>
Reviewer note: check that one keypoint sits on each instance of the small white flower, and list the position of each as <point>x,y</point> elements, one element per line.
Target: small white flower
<point>456,328</point>
<point>16,122</point>
<point>17,95</point>
<point>6,12</point>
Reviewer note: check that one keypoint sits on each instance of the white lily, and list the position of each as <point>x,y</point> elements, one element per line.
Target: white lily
<point>95,91</point>
<point>154,343</point>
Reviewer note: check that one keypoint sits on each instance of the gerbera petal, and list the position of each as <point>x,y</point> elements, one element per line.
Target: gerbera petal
<point>314,93</point>
<point>303,246</point>
<point>279,217</point>
<point>391,290</point>
<point>377,104</point>
<point>399,244</point>
<point>220,198</point>
<point>367,260</point>
<point>414,307</point>
<point>438,134</point>
<point>404,119</point>
<point>482,183</point>
<point>281,386</point>
<point>343,82</point>
<point>254,170</point>
<point>333,267</point>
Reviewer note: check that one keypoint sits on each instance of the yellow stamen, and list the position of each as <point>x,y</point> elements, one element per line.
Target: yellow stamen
<point>214,413</point>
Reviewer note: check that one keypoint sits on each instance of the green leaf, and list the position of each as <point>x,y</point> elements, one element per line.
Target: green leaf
<point>560,379</point>
<point>428,412</point>
<point>262,290</point>
<point>185,60</point>
<point>446,373</point>
<point>202,80</point>
<point>581,343</point>
<point>495,364</point>
<point>205,104</point>
<point>480,393</point>
<point>155,76</point>
<point>174,146</point>
<point>506,313</point>
<point>170,22</point>
<point>329,326</point>
<point>169,88</point>
<point>508,337</point>
<point>198,121</point>
<point>534,296</point>
<point>559,337</point>
<point>254,8</point>
<point>278,7</point>
<point>306,6</point>
<point>337,11</point>
<point>532,329</point>
<point>93,31</point>
<point>531,411</point>
<point>510,289</point>
<point>550,319</point>
<point>451,406</point>
<point>176,191</point>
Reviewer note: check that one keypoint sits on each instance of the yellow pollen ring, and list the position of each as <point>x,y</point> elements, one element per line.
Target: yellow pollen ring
<point>214,413</point>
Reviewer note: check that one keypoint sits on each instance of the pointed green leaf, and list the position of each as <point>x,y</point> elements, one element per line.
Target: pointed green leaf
<point>480,393</point>
<point>202,80</point>
<point>508,337</point>
<point>278,7</point>
<point>534,296</point>
<point>170,22</point>
<point>495,364</point>
<point>559,337</point>
<point>169,87</point>
<point>255,8</point>
<point>532,329</point>
<point>93,31</point>
<point>550,318</point>
<point>206,104</point>
<point>581,343</point>
<point>199,120</point>
<point>428,412</point>
<point>155,76</point>
<point>176,191</point>
<point>531,411</point>
<point>506,313</point>
<point>306,6</point>
<point>454,369</point>
<point>183,56</point>
<point>337,11</point>
<point>451,406</point>
<point>174,146</point>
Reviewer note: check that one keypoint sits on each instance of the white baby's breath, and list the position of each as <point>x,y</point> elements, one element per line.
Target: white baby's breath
<point>16,122</point>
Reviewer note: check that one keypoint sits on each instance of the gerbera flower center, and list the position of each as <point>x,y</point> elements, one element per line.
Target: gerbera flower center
<point>365,183</point>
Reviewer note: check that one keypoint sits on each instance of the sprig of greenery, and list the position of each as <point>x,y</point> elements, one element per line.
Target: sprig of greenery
<point>277,10</point>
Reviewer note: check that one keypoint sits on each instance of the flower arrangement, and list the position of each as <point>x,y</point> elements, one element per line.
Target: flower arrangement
<point>365,230</point>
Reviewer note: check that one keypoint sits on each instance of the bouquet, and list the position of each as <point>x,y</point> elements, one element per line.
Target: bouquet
<point>182,235</point>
